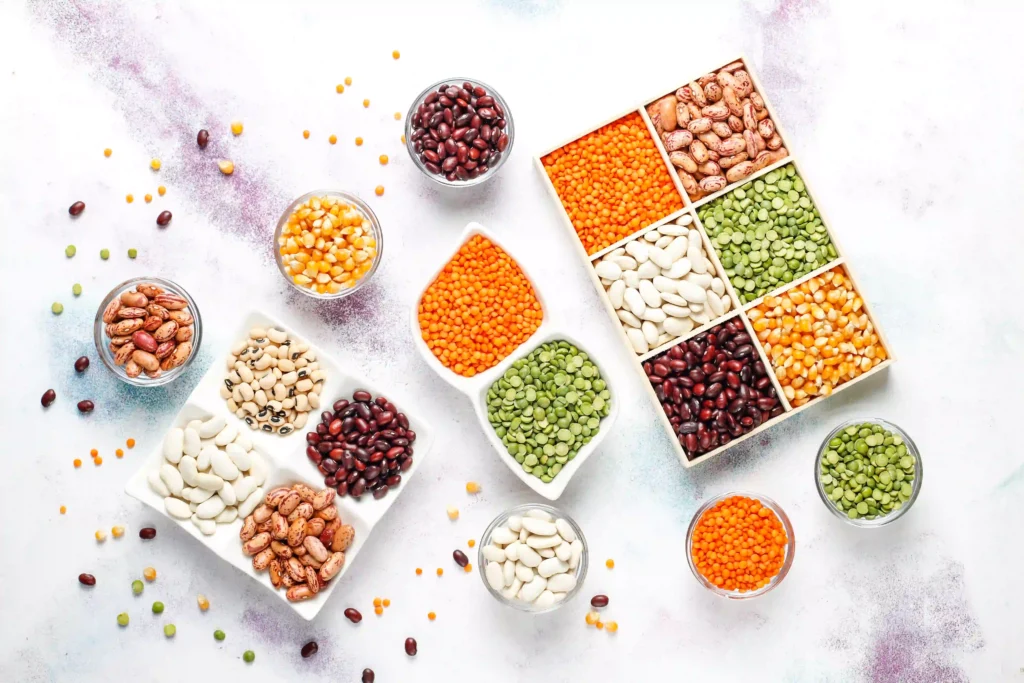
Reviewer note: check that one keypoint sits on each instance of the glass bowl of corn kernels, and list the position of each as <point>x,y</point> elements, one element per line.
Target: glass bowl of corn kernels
<point>328,244</point>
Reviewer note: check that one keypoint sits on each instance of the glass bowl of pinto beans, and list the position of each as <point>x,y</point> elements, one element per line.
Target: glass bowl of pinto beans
<point>459,132</point>
<point>740,545</point>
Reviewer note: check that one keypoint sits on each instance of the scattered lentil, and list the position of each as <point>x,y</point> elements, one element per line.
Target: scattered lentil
<point>376,602</point>
<point>57,308</point>
<point>219,635</point>
<point>339,88</point>
<point>77,462</point>
<point>471,543</point>
<point>122,619</point>
<point>100,535</point>
<point>866,471</point>
<point>398,117</point>
<point>359,142</point>
<point>472,487</point>
<point>148,197</point>
<point>236,127</point>
<point>612,182</point>
<point>129,198</point>
<point>130,443</point>
<point>248,656</point>
<point>610,563</point>
<point>366,103</point>
<point>386,602</point>
<point>611,626</point>
<point>94,452</point>
<point>592,618</point>
<point>402,138</point>
<point>468,568</point>
<point>440,572</point>
<point>76,289</point>
<point>739,544</point>
<point>348,80</point>
<point>431,616</point>
<point>332,139</point>
<point>599,624</point>
<point>158,607</point>
<point>138,587</point>
<point>98,460</point>
<point>119,453</point>
<point>379,190</point>
<point>453,512</point>
<point>396,54</point>
<point>305,134</point>
<point>107,152</point>
<point>70,251</point>
<point>478,309</point>
<point>378,610</point>
<point>383,159</point>
<point>161,190</point>
<point>155,164</point>
<point>419,571</point>
<point>63,510</point>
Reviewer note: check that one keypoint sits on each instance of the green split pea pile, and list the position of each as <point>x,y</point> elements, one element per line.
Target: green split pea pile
<point>867,472</point>
<point>547,406</point>
<point>767,233</point>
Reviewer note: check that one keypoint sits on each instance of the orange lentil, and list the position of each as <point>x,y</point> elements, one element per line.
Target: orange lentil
<point>340,88</point>
<point>379,190</point>
<point>119,453</point>
<point>77,462</point>
<point>94,452</point>
<point>612,182</point>
<point>398,116</point>
<point>161,190</point>
<point>468,568</point>
<point>472,487</point>
<point>148,197</point>
<point>440,571</point>
<point>471,543</point>
<point>396,54</point>
<point>419,571</point>
<point>333,139</point>
<point>386,602</point>
<point>130,443</point>
<point>366,103</point>
<point>739,545</point>
<point>98,460</point>
<point>383,159</point>
<point>599,624</point>
<point>480,309</point>
<point>359,142</point>
<point>431,616</point>
<point>610,563</point>
<point>107,152</point>
<point>348,80</point>
<point>817,336</point>
<point>378,611</point>
<point>63,510</point>
<point>305,134</point>
<point>128,198</point>
<point>376,602</point>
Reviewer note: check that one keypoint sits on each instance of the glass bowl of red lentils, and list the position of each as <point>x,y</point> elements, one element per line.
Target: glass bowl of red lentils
<point>169,348</point>
<point>508,596</point>
<point>328,244</point>
<point>740,545</point>
<point>459,132</point>
<point>868,472</point>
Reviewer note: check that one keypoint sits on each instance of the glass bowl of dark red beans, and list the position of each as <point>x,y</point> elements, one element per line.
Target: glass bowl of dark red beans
<point>362,445</point>
<point>714,388</point>
<point>459,132</point>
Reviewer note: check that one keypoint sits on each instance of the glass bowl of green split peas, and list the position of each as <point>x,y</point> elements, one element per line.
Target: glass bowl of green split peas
<point>868,472</point>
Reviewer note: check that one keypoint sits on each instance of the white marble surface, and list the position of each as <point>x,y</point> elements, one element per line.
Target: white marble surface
<point>906,116</point>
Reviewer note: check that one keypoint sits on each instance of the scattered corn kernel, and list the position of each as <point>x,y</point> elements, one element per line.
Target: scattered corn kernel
<point>359,142</point>
<point>305,134</point>
<point>440,572</point>
<point>348,80</point>
<point>402,138</point>
<point>419,571</point>
<point>366,103</point>
<point>129,198</point>
<point>472,487</point>
<point>592,618</point>
<point>63,509</point>
<point>77,462</point>
<point>119,453</point>
<point>379,190</point>
<point>610,563</point>
<point>376,602</point>
<point>386,602</point>
<point>396,54</point>
<point>468,568</point>
<point>226,166</point>
<point>101,535</point>
<point>155,164</point>
<point>107,152</point>
<point>236,127</point>
<point>611,627</point>
<point>161,190</point>
<point>378,611</point>
<point>453,512</point>
<point>431,616</point>
<point>471,542</point>
<point>398,116</point>
<point>149,574</point>
<point>204,604</point>
<point>98,460</point>
<point>130,443</point>
<point>339,88</point>
<point>117,531</point>
<point>383,159</point>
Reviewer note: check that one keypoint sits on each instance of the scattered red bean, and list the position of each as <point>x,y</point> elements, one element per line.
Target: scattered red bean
<point>49,396</point>
<point>309,649</point>
<point>353,615</point>
<point>85,406</point>
<point>203,138</point>
<point>87,579</point>
<point>460,558</point>
<point>459,132</point>
<point>713,387</point>
<point>362,446</point>
<point>410,647</point>
<point>599,601</point>
<point>164,218</point>
<point>82,364</point>
<point>368,676</point>
<point>147,533</point>
<point>76,208</point>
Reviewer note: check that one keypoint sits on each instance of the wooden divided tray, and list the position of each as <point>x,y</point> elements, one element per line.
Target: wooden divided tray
<point>723,122</point>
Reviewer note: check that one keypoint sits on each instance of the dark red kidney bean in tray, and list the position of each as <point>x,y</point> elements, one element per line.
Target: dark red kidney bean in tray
<point>362,445</point>
<point>713,388</point>
<point>459,132</point>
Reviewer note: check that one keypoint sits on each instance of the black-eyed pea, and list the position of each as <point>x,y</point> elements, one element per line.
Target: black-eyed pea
<point>256,544</point>
<point>304,511</point>
<point>316,548</point>
<point>262,559</point>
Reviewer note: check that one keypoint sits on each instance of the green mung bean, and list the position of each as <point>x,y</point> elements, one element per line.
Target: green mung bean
<point>547,406</point>
<point>867,472</point>
<point>767,232</point>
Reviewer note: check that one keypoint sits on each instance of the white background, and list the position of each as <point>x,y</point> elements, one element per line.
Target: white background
<point>905,117</point>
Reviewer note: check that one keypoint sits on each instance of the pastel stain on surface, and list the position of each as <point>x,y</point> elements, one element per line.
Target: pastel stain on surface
<point>527,9</point>
<point>269,626</point>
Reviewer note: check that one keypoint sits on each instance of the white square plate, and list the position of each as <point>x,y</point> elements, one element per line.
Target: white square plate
<point>287,464</point>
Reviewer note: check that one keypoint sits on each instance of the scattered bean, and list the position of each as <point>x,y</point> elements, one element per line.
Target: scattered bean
<point>309,649</point>
<point>86,406</point>
<point>49,396</point>
<point>713,388</point>
<point>219,635</point>
<point>226,166</point>
<point>353,615</point>
<point>599,601</point>
<point>138,587</point>
<point>867,471</point>
<point>147,533</point>
<point>132,253</point>
<point>87,579</point>
<point>203,603</point>
<point>82,364</point>
<point>163,219</point>
<point>76,208</point>
<point>70,250</point>
<point>203,138</point>
<point>158,607</point>
<point>368,676</point>
<point>248,656</point>
<point>410,647</point>
<point>547,406</point>
<point>76,289</point>
<point>122,619</point>
<point>104,254</point>
<point>57,308</point>
<point>460,558</point>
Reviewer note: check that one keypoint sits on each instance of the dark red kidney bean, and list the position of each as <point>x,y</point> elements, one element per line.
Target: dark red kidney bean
<point>342,488</point>
<point>444,131</point>
<point>87,579</point>
<point>433,168</point>
<point>49,396</point>
<point>330,482</point>
<point>449,117</point>
<point>405,464</point>
<point>381,492</point>
<point>368,676</point>
<point>599,601</point>
<point>461,173</point>
<point>470,166</point>
<point>86,406</point>
<point>309,649</point>
<point>410,647</point>
<point>371,473</point>
<point>312,438</point>
<point>485,101</point>
<point>430,98</point>
<point>394,480</point>
<point>357,489</point>
<point>147,533</point>
<point>431,156</point>
<point>477,90</point>
<point>203,138</point>
<point>470,135</point>
<point>353,615</point>
<point>340,405</point>
<point>164,218</point>
<point>502,142</point>
<point>486,113</point>
<point>76,208</point>
<point>430,143</point>
<point>460,558</point>
<point>501,123</point>
<point>450,147</point>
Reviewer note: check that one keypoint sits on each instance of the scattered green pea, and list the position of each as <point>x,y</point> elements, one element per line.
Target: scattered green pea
<point>218,635</point>
<point>547,406</point>
<point>158,607</point>
<point>76,289</point>
<point>867,471</point>
<point>122,619</point>
<point>104,254</point>
<point>137,587</point>
<point>170,630</point>
<point>57,308</point>
<point>248,655</point>
<point>767,233</point>
<point>70,250</point>
<point>132,253</point>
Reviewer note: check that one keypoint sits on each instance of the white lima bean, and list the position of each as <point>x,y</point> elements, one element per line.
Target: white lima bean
<point>532,558</point>
<point>663,284</point>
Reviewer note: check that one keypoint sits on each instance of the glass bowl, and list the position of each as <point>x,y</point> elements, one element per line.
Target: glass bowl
<point>915,482</point>
<point>410,144</point>
<point>350,198</point>
<point>786,563</point>
<point>581,568</point>
<point>103,342</point>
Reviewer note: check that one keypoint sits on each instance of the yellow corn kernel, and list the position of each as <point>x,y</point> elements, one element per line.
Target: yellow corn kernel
<point>117,531</point>
<point>101,535</point>
<point>453,512</point>
<point>472,487</point>
<point>149,573</point>
<point>155,164</point>
<point>226,166</point>
<point>129,198</point>
<point>204,604</point>
<point>236,127</point>
<point>592,618</point>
